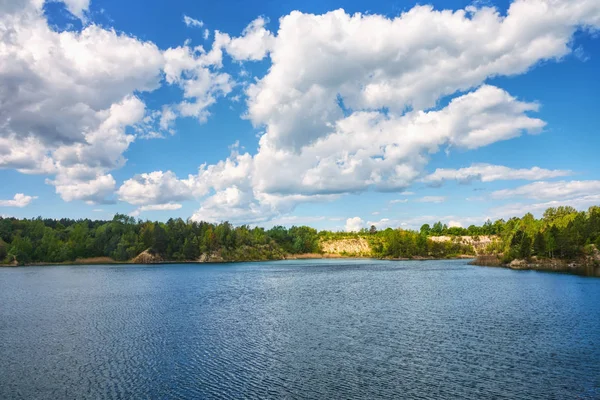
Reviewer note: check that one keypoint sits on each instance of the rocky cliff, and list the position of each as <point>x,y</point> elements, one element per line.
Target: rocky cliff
<point>479,243</point>
<point>354,247</point>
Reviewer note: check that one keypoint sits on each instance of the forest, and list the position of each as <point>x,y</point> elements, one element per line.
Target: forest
<point>562,233</point>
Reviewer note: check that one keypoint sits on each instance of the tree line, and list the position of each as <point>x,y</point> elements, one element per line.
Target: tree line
<point>123,238</point>
<point>562,232</point>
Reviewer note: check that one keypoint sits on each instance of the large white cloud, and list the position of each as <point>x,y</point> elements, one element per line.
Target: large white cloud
<point>373,62</point>
<point>350,102</point>
<point>154,188</point>
<point>363,151</point>
<point>369,149</point>
<point>346,103</point>
<point>68,98</point>
<point>93,191</point>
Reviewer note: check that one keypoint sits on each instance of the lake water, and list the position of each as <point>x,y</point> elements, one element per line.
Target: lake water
<point>324,329</point>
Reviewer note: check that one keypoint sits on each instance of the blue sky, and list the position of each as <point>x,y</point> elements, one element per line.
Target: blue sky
<point>456,110</point>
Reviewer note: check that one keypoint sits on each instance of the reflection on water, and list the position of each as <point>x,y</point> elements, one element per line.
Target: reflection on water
<point>298,329</point>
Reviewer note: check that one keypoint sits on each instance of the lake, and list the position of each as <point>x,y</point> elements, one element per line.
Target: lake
<point>319,329</point>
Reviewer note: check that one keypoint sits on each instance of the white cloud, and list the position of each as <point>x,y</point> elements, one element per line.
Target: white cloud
<point>398,201</point>
<point>67,98</point>
<point>354,224</point>
<point>551,190</point>
<point>412,60</point>
<point>454,224</point>
<point>19,200</point>
<point>191,22</point>
<point>194,71</point>
<point>368,62</point>
<point>351,159</point>
<point>155,188</point>
<point>519,209</point>
<point>369,150</point>
<point>489,173</point>
<point>93,191</point>
<point>77,7</point>
<point>254,44</point>
<point>319,105</point>
<point>431,199</point>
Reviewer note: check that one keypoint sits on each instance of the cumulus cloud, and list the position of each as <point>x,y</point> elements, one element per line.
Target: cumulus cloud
<point>254,44</point>
<point>373,62</point>
<point>352,158</point>
<point>154,189</point>
<point>551,190</point>
<point>370,150</point>
<point>19,200</point>
<point>67,98</point>
<point>489,173</point>
<point>348,103</point>
<point>354,224</point>
<point>92,191</point>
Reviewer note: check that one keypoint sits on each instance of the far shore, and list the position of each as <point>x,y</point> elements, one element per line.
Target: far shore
<point>557,266</point>
<point>580,267</point>
<point>306,256</point>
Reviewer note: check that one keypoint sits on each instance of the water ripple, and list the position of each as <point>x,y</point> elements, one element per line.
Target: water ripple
<point>298,330</point>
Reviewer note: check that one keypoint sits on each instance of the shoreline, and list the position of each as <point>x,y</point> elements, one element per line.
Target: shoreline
<point>309,256</point>
<point>577,267</point>
<point>556,266</point>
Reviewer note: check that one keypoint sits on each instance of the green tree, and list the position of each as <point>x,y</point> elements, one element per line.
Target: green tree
<point>21,249</point>
<point>539,244</point>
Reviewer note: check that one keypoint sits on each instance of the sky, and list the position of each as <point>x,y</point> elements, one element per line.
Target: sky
<point>333,114</point>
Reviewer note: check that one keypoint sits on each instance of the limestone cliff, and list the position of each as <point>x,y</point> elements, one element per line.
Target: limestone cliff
<point>479,243</point>
<point>356,247</point>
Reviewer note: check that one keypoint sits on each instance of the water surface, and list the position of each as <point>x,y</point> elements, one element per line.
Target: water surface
<point>317,329</point>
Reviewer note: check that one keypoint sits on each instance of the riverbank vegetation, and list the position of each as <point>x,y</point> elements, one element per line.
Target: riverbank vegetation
<point>561,233</point>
